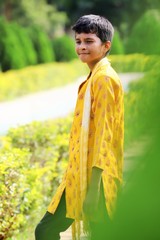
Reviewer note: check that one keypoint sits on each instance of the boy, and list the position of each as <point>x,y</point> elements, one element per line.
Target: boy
<point>90,185</point>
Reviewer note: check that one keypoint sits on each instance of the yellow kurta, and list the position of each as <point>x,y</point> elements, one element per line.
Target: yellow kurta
<point>105,141</point>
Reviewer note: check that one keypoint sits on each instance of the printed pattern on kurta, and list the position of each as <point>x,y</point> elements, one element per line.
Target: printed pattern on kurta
<point>105,141</point>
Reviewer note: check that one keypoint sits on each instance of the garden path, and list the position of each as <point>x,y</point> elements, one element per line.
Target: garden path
<point>49,104</point>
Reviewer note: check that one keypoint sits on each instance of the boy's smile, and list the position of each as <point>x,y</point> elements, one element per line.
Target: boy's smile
<point>90,48</point>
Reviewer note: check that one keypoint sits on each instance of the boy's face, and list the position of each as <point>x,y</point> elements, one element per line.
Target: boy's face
<point>90,48</point>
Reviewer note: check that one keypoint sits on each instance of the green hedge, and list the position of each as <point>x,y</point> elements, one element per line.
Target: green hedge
<point>134,62</point>
<point>142,105</point>
<point>42,45</point>
<point>17,191</point>
<point>145,35</point>
<point>64,48</point>
<point>138,209</point>
<point>117,45</point>
<point>32,162</point>
<point>26,44</point>
<point>20,47</point>
<point>12,55</point>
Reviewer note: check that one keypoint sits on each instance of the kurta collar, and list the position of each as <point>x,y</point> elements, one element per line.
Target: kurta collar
<point>104,61</point>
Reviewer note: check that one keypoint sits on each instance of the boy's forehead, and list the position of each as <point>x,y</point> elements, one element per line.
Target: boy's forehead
<point>85,35</point>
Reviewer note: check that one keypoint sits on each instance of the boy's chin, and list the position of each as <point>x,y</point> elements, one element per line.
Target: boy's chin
<point>83,60</point>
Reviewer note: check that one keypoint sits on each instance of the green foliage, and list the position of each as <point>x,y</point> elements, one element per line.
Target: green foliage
<point>117,11</point>
<point>64,48</point>
<point>46,16</point>
<point>145,35</point>
<point>141,106</point>
<point>138,204</point>
<point>14,190</point>
<point>117,45</point>
<point>42,45</point>
<point>26,44</point>
<point>33,159</point>
<point>133,62</point>
<point>12,56</point>
<point>17,50</point>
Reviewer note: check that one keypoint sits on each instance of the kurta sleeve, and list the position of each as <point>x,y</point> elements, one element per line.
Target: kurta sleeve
<point>103,109</point>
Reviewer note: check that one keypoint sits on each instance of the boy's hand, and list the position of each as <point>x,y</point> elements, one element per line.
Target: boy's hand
<point>90,205</point>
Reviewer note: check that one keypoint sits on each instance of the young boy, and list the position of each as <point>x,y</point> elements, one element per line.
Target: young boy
<point>90,185</point>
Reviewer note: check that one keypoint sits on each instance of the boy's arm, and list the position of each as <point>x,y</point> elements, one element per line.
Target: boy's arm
<point>102,109</point>
<point>90,205</point>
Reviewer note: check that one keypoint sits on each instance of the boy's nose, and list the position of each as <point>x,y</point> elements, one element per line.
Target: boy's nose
<point>82,46</point>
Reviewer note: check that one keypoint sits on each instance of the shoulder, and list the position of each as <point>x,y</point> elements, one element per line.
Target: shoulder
<point>106,81</point>
<point>106,76</point>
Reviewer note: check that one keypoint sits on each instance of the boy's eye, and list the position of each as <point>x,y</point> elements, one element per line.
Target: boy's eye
<point>89,41</point>
<point>78,42</point>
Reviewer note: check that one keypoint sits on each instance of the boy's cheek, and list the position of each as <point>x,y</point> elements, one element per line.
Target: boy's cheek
<point>76,50</point>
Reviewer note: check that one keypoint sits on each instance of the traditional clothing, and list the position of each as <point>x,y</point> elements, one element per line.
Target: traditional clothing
<point>96,140</point>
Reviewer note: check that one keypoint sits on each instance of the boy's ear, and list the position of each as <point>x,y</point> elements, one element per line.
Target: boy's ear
<point>107,45</point>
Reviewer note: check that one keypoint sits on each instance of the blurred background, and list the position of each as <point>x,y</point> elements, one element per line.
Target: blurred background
<point>37,56</point>
<point>34,32</point>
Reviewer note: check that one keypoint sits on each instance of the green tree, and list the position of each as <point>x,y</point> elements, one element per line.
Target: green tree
<point>12,55</point>
<point>117,44</point>
<point>33,12</point>
<point>122,13</point>
<point>64,48</point>
<point>25,44</point>
<point>42,45</point>
<point>145,35</point>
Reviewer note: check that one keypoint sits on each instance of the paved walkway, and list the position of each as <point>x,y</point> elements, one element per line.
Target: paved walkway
<point>50,104</point>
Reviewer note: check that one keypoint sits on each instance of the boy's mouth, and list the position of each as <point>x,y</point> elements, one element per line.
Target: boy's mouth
<point>83,53</point>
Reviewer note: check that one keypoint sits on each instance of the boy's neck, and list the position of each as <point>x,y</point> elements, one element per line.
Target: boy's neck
<point>91,66</point>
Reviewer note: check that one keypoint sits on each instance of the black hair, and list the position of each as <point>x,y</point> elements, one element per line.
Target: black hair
<point>95,24</point>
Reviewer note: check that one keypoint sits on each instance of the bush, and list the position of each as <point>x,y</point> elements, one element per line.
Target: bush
<point>133,62</point>
<point>141,106</point>
<point>12,56</point>
<point>145,35</point>
<point>138,205</point>
<point>64,48</point>
<point>42,45</point>
<point>14,190</point>
<point>33,159</point>
<point>117,45</point>
<point>26,44</point>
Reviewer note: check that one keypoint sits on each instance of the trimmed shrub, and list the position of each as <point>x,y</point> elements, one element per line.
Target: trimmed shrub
<point>33,159</point>
<point>64,48</point>
<point>133,62</point>
<point>141,196</point>
<point>145,35</point>
<point>142,105</point>
<point>117,45</point>
<point>42,45</point>
<point>12,56</point>
<point>26,44</point>
<point>16,193</point>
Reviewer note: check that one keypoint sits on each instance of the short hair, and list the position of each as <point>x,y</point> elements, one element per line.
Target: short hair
<point>95,24</point>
